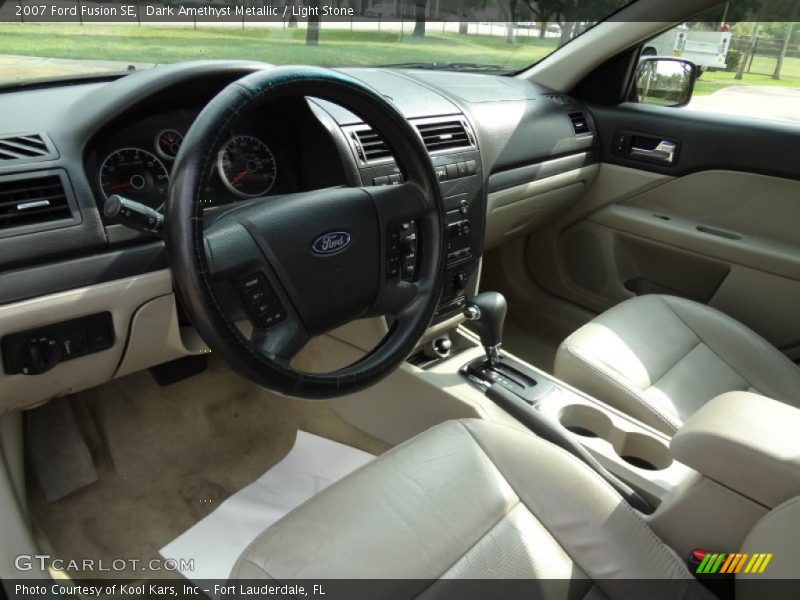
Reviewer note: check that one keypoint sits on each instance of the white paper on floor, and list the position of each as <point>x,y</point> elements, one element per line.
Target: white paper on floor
<point>216,542</point>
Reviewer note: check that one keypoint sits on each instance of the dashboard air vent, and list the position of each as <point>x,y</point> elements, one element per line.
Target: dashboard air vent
<point>24,146</point>
<point>444,134</point>
<point>579,123</point>
<point>372,147</point>
<point>32,201</point>
<point>559,99</point>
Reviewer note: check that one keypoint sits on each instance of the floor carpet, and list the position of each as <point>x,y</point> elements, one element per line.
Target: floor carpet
<point>167,456</point>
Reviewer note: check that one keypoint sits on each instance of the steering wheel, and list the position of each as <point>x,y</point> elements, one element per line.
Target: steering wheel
<point>308,262</point>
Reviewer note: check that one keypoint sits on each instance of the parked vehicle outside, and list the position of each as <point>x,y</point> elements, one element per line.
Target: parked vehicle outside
<point>706,49</point>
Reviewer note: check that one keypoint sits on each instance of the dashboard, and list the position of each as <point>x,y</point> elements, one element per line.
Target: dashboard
<point>486,135</point>
<point>494,142</point>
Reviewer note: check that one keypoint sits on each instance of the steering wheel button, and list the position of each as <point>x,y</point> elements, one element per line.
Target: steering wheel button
<point>253,281</point>
<point>255,295</point>
<point>263,307</point>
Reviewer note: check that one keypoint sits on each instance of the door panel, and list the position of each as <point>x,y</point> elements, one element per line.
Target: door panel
<point>723,226</point>
<point>707,141</point>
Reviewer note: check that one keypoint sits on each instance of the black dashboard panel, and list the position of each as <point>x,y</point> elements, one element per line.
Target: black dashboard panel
<point>511,124</point>
<point>517,122</point>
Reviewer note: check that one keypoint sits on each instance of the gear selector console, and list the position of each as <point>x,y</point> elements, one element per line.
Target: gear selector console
<point>487,312</point>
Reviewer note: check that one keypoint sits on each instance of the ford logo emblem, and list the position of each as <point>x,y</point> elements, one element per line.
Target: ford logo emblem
<point>332,242</point>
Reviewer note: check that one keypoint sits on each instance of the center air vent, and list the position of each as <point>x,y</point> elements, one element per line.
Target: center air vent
<point>448,133</point>
<point>579,123</point>
<point>25,147</point>
<point>369,145</point>
<point>33,201</point>
<point>559,99</point>
<point>440,134</point>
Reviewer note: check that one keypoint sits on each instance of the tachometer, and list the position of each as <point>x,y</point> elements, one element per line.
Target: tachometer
<point>247,166</point>
<point>135,174</point>
<point>168,142</point>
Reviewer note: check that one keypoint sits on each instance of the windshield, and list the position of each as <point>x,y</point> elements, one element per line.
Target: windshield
<point>64,39</point>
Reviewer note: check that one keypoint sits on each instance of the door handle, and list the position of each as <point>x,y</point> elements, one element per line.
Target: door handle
<point>664,152</point>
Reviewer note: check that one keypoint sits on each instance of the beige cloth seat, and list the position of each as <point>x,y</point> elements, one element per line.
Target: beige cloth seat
<point>473,499</point>
<point>660,358</point>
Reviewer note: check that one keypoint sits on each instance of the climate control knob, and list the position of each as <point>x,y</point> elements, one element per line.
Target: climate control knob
<point>39,354</point>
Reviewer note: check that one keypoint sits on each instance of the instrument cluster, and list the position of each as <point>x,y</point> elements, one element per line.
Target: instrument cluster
<point>136,161</point>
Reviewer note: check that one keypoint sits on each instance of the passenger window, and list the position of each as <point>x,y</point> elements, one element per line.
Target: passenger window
<point>747,59</point>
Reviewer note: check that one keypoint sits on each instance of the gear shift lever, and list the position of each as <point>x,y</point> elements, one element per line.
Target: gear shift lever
<point>488,311</point>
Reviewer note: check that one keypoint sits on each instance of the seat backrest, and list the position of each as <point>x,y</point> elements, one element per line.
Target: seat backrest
<point>776,533</point>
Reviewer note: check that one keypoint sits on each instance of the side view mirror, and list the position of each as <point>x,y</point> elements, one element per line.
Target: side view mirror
<point>664,80</point>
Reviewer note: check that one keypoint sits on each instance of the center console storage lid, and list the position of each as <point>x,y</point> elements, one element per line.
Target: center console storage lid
<point>747,442</point>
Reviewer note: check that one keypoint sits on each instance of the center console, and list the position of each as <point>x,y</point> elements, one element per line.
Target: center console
<point>734,459</point>
<point>451,143</point>
<point>633,457</point>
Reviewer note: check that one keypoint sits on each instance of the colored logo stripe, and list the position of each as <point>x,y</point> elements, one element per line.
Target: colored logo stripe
<point>758,563</point>
<point>721,562</point>
<point>736,563</point>
<point>727,564</point>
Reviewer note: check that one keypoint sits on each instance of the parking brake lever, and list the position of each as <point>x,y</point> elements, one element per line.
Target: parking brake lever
<point>133,214</point>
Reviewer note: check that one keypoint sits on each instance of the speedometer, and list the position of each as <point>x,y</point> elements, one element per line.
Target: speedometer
<point>135,174</point>
<point>246,166</point>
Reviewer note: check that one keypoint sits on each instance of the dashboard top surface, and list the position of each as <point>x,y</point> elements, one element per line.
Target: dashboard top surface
<point>515,123</point>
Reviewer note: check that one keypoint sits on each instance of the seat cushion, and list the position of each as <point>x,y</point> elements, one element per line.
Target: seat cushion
<point>469,499</point>
<point>660,358</point>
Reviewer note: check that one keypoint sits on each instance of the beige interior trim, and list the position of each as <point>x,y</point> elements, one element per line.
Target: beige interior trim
<point>613,184</point>
<point>618,434</point>
<point>543,256</point>
<point>13,452</point>
<point>746,442</point>
<point>742,203</point>
<point>156,337</point>
<point>121,298</point>
<point>771,256</point>
<point>704,514</point>
<point>16,538</point>
<point>518,210</point>
<point>408,401</point>
<point>772,312</point>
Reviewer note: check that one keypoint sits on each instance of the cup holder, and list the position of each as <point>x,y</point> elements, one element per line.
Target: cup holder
<point>586,421</point>
<point>636,449</point>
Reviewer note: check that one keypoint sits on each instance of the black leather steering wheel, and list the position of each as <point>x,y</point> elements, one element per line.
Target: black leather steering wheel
<point>313,260</point>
